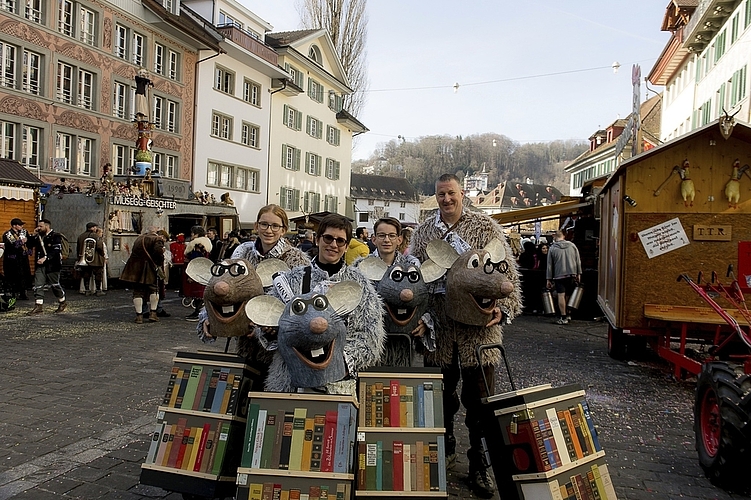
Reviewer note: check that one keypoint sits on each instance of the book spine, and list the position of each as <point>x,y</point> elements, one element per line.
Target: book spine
<point>202,447</point>
<point>258,440</point>
<point>307,444</point>
<point>190,390</point>
<point>560,441</point>
<point>182,388</point>
<point>227,392</point>
<point>363,420</point>
<point>298,436</point>
<point>341,455</point>
<point>583,443</point>
<point>289,418</point>
<point>351,438</point>
<point>175,388</point>
<point>386,392</point>
<point>208,452</point>
<point>567,435</point>
<point>429,405</point>
<point>268,491</point>
<point>607,482</point>
<point>268,440</point>
<point>314,493</point>
<point>395,403</point>
<point>435,479</point>
<point>410,406</point>
<point>250,432</point>
<point>420,409</point>
<point>277,451</point>
<point>200,392</point>
<point>541,449</point>
<point>441,463</point>
<point>191,453</point>
<point>319,425</point>
<point>598,481</point>
<point>590,424</point>
<point>183,448</point>
<point>547,435</point>
<point>371,461</point>
<point>329,442</point>
<point>592,486</point>
<point>438,402</point>
<point>165,443</point>
<point>407,467</point>
<point>379,466</point>
<point>221,447</point>
<point>419,479</point>
<point>234,396</point>
<point>170,386</point>
<point>255,491</point>
<point>156,438</point>
<point>362,453</point>
<point>402,405</point>
<point>398,459</point>
<point>378,405</point>
<point>209,391</point>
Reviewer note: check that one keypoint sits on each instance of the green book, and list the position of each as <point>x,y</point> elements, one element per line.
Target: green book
<point>388,470</point>
<point>268,440</point>
<point>298,436</point>
<point>221,447</point>
<point>371,464</point>
<point>192,387</point>
<point>250,434</point>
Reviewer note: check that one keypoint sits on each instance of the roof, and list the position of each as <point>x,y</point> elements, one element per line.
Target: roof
<point>284,38</point>
<point>346,118</point>
<point>532,213</point>
<point>13,173</point>
<point>381,187</point>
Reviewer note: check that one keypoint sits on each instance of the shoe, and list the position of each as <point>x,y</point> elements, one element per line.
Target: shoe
<point>100,293</point>
<point>38,309</point>
<point>192,317</point>
<point>481,483</point>
<point>163,314</point>
<point>139,318</point>
<point>61,307</point>
<point>153,316</point>
<point>568,318</point>
<point>83,292</point>
<point>562,321</point>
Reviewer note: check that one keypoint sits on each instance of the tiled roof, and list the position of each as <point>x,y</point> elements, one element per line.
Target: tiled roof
<point>13,173</point>
<point>380,187</point>
<point>287,37</point>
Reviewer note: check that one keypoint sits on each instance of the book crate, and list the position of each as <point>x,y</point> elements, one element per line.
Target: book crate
<point>546,445</point>
<point>196,443</point>
<point>400,436</point>
<point>298,445</point>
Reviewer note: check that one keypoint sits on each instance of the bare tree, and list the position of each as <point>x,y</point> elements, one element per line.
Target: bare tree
<point>347,23</point>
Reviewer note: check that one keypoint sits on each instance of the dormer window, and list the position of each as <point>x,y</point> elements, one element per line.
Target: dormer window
<point>315,55</point>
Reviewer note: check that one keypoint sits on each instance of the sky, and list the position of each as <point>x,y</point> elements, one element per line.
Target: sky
<point>532,71</point>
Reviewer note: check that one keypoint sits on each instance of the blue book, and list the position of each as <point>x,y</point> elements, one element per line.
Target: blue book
<point>590,424</point>
<point>420,405</point>
<point>341,440</point>
<point>221,386</point>
<point>379,466</point>
<point>548,445</point>
<point>441,463</point>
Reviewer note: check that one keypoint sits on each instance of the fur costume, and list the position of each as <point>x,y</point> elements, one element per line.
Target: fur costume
<point>283,251</point>
<point>365,332</point>
<point>476,230</point>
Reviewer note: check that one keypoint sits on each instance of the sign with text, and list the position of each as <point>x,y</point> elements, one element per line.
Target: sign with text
<point>135,201</point>
<point>713,232</point>
<point>663,238</point>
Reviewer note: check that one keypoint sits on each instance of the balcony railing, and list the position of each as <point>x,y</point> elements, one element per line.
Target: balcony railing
<point>249,43</point>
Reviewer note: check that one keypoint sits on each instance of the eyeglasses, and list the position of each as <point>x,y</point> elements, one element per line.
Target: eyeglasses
<point>235,269</point>
<point>263,226</point>
<point>328,239</point>
<point>384,236</point>
<point>501,266</point>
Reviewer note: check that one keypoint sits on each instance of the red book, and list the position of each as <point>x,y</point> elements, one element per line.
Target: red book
<point>183,445</point>
<point>201,446</point>
<point>199,390</point>
<point>329,442</point>
<point>398,466</point>
<point>525,458</point>
<point>177,441</point>
<point>394,403</point>
<point>541,450</point>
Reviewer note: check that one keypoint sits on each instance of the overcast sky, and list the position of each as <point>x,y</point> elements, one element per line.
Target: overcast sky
<point>497,51</point>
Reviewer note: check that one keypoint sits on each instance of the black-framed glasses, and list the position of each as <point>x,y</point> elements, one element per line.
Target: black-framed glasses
<point>234,269</point>
<point>412,276</point>
<point>384,236</point>
<point>299,306</point>
<point>501,266</point>
<point>263,226</point>
<point>328,239</point>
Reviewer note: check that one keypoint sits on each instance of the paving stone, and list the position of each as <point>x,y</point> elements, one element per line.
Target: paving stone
<point>60,485</point>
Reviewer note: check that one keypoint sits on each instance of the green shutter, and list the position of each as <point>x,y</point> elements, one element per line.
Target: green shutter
<point>297,160</point>
<point>296,199</point>
<point>308,120</point>
<point>282,197</point>
<point>318,165</point>
<point>298,120</point>
<point>319,130</point>
<point>307,162</point>
<point>338,136</point>
<point>336,170</point>
<point>285,118</point>
<point>284,156</point>
<point>306,202</point>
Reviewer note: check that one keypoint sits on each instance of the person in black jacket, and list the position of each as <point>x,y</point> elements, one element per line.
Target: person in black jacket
<point>16,259</point>
<point>48,246</point>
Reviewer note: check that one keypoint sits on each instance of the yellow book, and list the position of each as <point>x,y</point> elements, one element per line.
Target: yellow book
<point>255,492</point>
<point>196,447</point>
<point>189,448</point>
<point>285,495</point>
<point>227,392</point>
<point>168,449</point>
<point>176,388</point>
<point>402,405</point>
<point>585,430</point>
<point>298,436</point>
<point>307,444</point>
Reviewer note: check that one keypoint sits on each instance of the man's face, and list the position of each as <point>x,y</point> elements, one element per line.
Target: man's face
<point>17,227</point>
<point>387,239</point>
<point>42,228</point>
<point>211,234</point>
<point>331,253</point>
<point>449,197</point>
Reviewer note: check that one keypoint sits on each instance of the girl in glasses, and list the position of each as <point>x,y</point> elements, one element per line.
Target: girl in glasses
<point>271,225</point>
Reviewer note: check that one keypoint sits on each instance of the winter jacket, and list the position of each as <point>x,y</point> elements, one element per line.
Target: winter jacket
<point>356,249</point>
<point>50,246</point>
<point>563,260</point>
<point>98,248</point>
<point>147,252</point>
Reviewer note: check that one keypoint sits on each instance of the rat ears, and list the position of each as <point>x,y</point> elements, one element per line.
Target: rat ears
<point>431,271</point>
<point>497,250</point>
<point>441,253</point>
<point>344,296</point>
<point>372,268</point>
<point>268,268</point>
<point>264,310</point>
<point>199,270</point>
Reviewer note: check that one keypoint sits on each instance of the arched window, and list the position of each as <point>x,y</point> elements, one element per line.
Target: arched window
<point>315,54</point>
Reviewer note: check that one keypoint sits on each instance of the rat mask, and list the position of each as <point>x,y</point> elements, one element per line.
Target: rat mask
<point>312,331</point>
<point>474,281</point>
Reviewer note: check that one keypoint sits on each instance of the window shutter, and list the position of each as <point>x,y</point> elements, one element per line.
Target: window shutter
<point>319,130</point>
<point>306,201</point>
<point>308,121</point>
<point>317,202</point>
<point>285,118</point>
<point>296,165</point>
<point>338,136</point>
<point>336,170</point>
<point>318,165</point>
<point>296,199</point>
<point>307,162</point>
<point>298,120</point>
<point>283,197</point>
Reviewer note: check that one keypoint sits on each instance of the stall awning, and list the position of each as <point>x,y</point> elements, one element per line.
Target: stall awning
<point>13,193</point>
<point>533,213</point>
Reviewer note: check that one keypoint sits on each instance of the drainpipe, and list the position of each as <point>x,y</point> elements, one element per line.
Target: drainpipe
<point>268,161</point>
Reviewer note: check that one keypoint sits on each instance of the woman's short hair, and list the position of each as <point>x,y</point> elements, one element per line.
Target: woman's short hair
<point>276,210</point>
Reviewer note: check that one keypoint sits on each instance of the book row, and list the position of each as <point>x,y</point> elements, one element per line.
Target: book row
<point>594,484</point>
<point>300,440</point>
<point>400,466</point>
<point>399,404</point>
<point>276,491</point>
<point>559,438</point>
<point>195,449</point>
<point>203,388</point>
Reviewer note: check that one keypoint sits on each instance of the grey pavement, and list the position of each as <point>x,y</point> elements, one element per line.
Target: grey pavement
<point>81,389</point>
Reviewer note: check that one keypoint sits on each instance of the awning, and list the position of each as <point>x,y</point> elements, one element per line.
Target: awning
<point>533,213</point>
<point>16,193</point>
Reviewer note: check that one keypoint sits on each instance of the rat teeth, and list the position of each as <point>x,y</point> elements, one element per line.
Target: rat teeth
<point>401,311</point>
<point>228,309</point>
<point>316,352</point>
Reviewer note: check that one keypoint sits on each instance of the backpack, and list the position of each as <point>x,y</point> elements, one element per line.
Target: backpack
<point>64,246</point>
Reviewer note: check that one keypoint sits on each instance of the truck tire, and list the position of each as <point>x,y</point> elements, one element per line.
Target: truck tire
<point>722,413</point>
<point>617,343</point>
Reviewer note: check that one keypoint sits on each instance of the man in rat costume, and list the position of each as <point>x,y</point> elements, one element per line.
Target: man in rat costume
<point>456,341</point>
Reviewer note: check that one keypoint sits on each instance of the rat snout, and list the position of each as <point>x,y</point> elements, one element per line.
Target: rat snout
<point>406,295</point>
<point>506,288</point>
<point>318,325</point>
<point>221,288</point>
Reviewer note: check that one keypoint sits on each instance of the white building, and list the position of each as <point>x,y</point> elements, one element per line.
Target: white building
<point>310,158</point>
<point>704,64</point>
<point>233,107</point>
<point>376,196</point>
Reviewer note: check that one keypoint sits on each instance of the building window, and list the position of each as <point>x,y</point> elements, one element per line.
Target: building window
<point>333,135</point>
<point>315,90</point>
<point>122,158</point>
<point>30,72</point>
<point>224,81</point>
<point>232,176</point>
<point>165,164</point>
<point>295,74</point>
<point>159,58</point>
<point>332,171</point>
<point>137,48</point>
<point>402,204</point>
<point>8,140</point>
<point>75,86</point>
<point>363,217</point>
<point>401,216</point>
<point>165,114</point>
<point>336,102</point>
<point>65,18</point>
<point>719,46</point>
<point>386,203</point>
<point>289,198</point>
<point>314,127</point>
<point>85,98</point>
<point>171,170</point>
<point>221,126</point>
<point>33,11</point>
<point>332,203</point>
<point>173,59</point>
<point>227,20</point>
<point>120,100</point>
<point>292,118</point>
<point>121,41</point>
<point>734,28</point>
<point>73,154</point>
<point>312,164</point>
<point>87,32</point>
<point>171,116</point>
<point>8,61</point>
<point>65,83</point>
<point>290,157</point>
<point>311,202</point>
<point>250,134</point>
<point>370,202</point>
<point>738,87</point>
<point>252,92</point>
<point>158,112</point>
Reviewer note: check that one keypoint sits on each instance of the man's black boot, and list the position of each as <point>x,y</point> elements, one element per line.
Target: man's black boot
<point>480,476</point>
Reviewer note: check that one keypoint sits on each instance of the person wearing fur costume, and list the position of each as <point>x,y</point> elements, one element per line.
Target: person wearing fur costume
<point>365,332</point>
<point>271,225</point>
<point>456,342</point>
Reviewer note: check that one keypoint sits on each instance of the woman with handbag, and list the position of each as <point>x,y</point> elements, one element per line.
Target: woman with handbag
<point>143,269</point>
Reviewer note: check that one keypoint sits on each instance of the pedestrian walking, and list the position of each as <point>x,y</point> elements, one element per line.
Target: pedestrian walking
<point>142,269</point>
<point>47,244</point>
<point>91,258</point>
<point>563,273</point>
<point>16,269</point>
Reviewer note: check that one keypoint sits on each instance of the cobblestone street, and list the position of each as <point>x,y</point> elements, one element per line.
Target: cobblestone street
<point>81,391</point>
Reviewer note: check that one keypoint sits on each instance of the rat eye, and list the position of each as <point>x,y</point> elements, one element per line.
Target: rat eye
<point>397,275</point>
<point>238,269</point>
<point>320,303</point>
<point>298,306</point>
<point>413,275</point>
<point>473,262</point>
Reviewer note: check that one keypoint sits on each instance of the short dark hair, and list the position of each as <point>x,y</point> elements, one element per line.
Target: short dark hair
<point>46,221</point>
<point>359,231</point>
<point>199,230</point>
<point>449,178</point>
<point>91,225</point>
<point>337,222</point>
<point>391,222</point>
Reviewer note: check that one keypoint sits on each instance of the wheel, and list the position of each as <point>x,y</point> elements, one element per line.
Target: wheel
<point>617,342</point>
<point>187,302</point>
<point>722,411</point>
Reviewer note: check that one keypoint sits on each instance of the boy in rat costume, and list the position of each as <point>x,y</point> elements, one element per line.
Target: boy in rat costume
<point>456,342</point>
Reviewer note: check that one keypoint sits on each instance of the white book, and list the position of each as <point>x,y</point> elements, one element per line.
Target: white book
<point>549,490</point>
<point>258,442</point>
<point>560,441</point>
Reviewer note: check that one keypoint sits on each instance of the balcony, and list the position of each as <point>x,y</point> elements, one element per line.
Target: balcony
<point>706,21</point>
<point>249,43</point>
